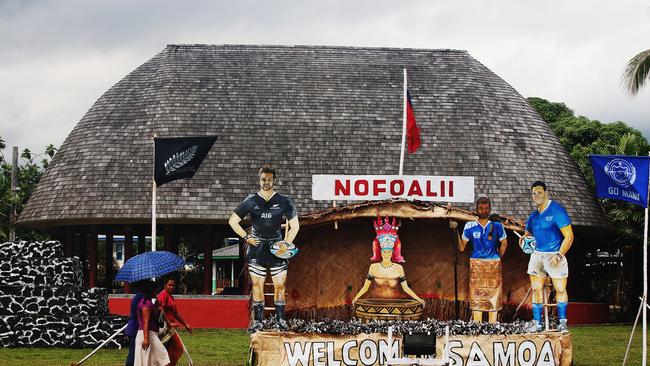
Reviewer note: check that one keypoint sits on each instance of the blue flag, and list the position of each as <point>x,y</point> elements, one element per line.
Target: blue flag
<point>621,177</point>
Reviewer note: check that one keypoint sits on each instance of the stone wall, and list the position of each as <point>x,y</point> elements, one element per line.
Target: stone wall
<point>43,303</point>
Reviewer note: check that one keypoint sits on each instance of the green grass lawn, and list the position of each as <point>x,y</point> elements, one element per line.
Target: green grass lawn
<point>592,346</point>
<point>605,345</point>
<point>227,347</point>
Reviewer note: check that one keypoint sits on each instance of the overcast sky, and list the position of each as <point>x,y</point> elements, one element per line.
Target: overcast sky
<point>58,57</point>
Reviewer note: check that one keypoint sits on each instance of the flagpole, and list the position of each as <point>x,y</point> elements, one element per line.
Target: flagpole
<point>153,198</point>
<point>401,157</point>
<point>153,218</point>
<point>645,276</point>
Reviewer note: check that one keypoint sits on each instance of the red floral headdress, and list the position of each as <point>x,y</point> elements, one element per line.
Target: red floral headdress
<point>387,238</point>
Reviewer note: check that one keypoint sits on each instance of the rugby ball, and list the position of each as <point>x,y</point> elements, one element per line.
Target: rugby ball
<point>529,244</point>
<point>283,249</point>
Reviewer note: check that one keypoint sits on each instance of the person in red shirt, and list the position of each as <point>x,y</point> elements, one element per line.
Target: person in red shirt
<point>174,320</point>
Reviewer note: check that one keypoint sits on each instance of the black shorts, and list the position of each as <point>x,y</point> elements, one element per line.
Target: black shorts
<point>262,256</point>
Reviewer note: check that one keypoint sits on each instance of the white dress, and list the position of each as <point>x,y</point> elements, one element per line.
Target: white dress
<point>155,355</point>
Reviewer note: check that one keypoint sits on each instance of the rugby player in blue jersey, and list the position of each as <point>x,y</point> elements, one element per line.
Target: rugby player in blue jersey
<point>551,226</point>
<point>489,243</point>
<point>267,210</point>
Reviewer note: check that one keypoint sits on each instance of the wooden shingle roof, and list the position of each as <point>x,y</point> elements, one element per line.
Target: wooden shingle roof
<point>306,110</point>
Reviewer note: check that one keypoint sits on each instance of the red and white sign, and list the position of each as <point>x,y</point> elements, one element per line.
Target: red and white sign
<point>382,187</point>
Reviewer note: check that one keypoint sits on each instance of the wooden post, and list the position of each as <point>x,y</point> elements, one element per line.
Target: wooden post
<point>81,241</point>
<point>68,241</point>
<point>128,252</point>
<point>141,239</point>
<point>232,273</point>
<point>171,239</point>
<point>207,259</point>
<point>108,262</point>
<point>91,246</point>
<point>454,239</point>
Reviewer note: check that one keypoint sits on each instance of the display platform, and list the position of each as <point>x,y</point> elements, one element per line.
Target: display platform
<point>272,348</point>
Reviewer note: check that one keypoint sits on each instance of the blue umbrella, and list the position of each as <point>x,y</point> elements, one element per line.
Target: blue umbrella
<point>149,265</point>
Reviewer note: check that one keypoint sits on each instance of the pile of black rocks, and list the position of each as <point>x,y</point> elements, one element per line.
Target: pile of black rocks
<point>43,303</point>
<point>354,326</point>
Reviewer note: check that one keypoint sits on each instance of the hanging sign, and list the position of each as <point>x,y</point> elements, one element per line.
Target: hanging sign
<point>382,187</point>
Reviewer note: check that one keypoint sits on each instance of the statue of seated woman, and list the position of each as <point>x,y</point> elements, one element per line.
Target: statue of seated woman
<point>391,296</point>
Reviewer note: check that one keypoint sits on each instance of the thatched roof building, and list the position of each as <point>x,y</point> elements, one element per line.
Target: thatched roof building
<point>307,110</point>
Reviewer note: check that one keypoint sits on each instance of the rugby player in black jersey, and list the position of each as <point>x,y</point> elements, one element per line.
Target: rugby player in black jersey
<point>267,210</point>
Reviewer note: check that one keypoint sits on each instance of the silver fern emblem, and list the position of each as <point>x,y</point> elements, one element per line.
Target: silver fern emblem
<point>179,159</point>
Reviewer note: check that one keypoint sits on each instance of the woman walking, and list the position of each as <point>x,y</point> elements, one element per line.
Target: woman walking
<point>131,330</point>
<point>149,351</point>
<point>174,320</point>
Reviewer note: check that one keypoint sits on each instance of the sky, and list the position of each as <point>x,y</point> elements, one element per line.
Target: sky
<point>59,57</point>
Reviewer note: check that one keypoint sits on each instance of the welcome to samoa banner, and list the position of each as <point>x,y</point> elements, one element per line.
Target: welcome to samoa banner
<point>312,349</point>
<point>621,177</point>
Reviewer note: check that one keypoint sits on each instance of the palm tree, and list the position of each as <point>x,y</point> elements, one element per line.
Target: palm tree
<point>628,144</point>
<point>637,72</point>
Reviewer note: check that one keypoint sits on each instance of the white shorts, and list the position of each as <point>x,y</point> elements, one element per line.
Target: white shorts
<point>540,265</point>
<point>255,270</point>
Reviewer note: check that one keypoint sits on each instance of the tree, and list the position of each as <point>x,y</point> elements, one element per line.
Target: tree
<point>637,72</point>
<point>629,144</point>
<point>582,136</point>
<point>30,170</point>
<point>550,111</point>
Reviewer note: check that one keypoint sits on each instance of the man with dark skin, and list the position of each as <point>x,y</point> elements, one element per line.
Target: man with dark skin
<point>267,210</point>
<point>489,243</point>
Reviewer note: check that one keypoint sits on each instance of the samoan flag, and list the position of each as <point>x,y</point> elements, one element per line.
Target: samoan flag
<point>412,129</point>
<point>622,177</point>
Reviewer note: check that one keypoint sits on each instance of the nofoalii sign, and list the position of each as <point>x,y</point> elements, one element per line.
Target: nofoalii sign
<point>382,187</point>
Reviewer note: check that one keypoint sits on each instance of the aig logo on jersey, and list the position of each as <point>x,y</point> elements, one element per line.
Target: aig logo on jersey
<point>477,235</point>
<point>275,206</point>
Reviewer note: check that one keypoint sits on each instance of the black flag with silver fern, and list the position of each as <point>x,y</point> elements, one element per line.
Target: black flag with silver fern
<point>179,157</point>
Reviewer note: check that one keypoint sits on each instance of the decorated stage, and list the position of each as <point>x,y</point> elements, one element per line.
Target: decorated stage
<point>276,348</point>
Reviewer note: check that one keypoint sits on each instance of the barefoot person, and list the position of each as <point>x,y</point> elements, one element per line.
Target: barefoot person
<point>550,224</point>
<point>267,210</point>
